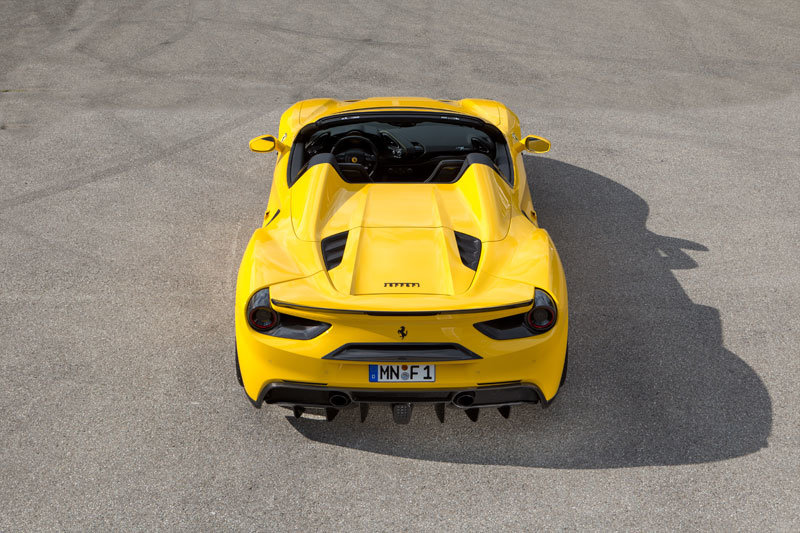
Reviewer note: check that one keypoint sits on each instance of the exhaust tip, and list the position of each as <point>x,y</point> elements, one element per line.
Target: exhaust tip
<point>464,399</point>
<point>339,400</point>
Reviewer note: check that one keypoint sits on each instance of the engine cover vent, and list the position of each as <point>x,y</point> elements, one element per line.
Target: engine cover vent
<point>333,249</point>
<point>469,248</point>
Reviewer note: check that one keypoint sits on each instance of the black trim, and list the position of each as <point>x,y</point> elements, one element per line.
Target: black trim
<point>259,300</point>
<point>284,326</point>
<point>469,248</point>
<point>319,159</point>
<point>297,327</point>
<point>528,217</point>
<point>454,166</point>
<point>541,298</point>
<point>385,352</point>
<point>519,326</point>
<point>295,164</point>
<point>355,173</point>
<point>333,249</point>
<point>349,172</point>
<point>238,368</point>
<point>499,383</point>
<point>476,158</point>
<point>293,394</point>
<point>299,307</point>
<point>507,328</point>
<point>418,114</point>
<point>273,218</point>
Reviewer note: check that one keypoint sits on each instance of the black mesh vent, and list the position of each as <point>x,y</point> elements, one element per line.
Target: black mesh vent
<point>469,248</point>
<point>333,249</point>
<point>380,352</point>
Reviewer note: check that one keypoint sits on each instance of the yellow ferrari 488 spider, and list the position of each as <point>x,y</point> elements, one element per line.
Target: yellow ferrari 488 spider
<point>400,262</point>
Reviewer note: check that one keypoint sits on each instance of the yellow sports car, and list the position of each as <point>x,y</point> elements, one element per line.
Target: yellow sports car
<point>400,262</point>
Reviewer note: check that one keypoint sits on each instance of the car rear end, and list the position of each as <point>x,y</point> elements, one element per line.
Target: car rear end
<point>464,358</point>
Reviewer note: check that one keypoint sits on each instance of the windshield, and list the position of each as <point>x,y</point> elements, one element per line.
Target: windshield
<point>421,148</point>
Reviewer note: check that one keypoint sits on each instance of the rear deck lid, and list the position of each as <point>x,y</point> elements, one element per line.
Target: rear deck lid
<point>401,261</point>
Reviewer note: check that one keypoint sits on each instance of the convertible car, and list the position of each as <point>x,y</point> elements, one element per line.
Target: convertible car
<point>400,262</point>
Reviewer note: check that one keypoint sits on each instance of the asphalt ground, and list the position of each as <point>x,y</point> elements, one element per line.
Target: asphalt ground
<point>127,195</point>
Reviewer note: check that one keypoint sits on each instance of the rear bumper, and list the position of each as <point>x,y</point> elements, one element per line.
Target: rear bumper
<point>269,363</point>
<point>305,373</point>
<point>305,395</point>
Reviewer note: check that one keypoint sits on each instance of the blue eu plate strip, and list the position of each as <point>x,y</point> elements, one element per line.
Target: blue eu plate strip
<point>373,373</point>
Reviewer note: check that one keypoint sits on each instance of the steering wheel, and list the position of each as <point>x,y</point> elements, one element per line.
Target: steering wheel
<point>356,149</point>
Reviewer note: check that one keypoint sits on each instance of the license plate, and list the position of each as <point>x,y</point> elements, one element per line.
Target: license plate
<point>401,373</point>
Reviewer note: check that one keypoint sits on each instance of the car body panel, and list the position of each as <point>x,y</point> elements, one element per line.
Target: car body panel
<point>323,204</point>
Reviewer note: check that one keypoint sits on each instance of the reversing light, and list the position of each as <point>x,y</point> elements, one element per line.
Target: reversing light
<point>260,314</point>
<point>543,315</point>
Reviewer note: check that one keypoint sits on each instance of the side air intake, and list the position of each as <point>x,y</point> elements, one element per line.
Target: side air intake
<point>469,248</point>
<point>333,249</point>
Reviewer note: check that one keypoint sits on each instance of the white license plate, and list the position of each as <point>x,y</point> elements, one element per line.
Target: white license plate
<point>401,373</point>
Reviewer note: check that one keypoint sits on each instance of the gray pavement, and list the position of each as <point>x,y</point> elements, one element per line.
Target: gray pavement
<point>127,195</point>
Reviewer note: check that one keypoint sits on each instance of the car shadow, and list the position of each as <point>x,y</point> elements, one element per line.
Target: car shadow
<point>650,381</point>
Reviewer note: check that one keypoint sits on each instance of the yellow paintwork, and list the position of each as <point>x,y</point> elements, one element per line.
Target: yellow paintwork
<point>263,143</point>
<point>535,144</point>
<point>401,232</point>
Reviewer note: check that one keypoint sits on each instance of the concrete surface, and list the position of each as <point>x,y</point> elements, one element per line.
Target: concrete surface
<point>127,194</point>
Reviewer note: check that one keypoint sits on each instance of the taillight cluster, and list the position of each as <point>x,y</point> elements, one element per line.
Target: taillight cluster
<point>260,314</point>
<point>543,315</point>
<point>540,319</point>
<point>264,319</point>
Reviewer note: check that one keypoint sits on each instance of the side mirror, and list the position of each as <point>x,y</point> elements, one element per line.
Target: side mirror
<point>537,145</point>
<point>263,143</point>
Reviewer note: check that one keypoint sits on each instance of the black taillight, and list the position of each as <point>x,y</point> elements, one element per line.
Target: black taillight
<point>469,248</point>
<point>264,319</point>
<point>333,249</point>
<point>260,314</point>
<point>543,315</point>
<point>540,319</point>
